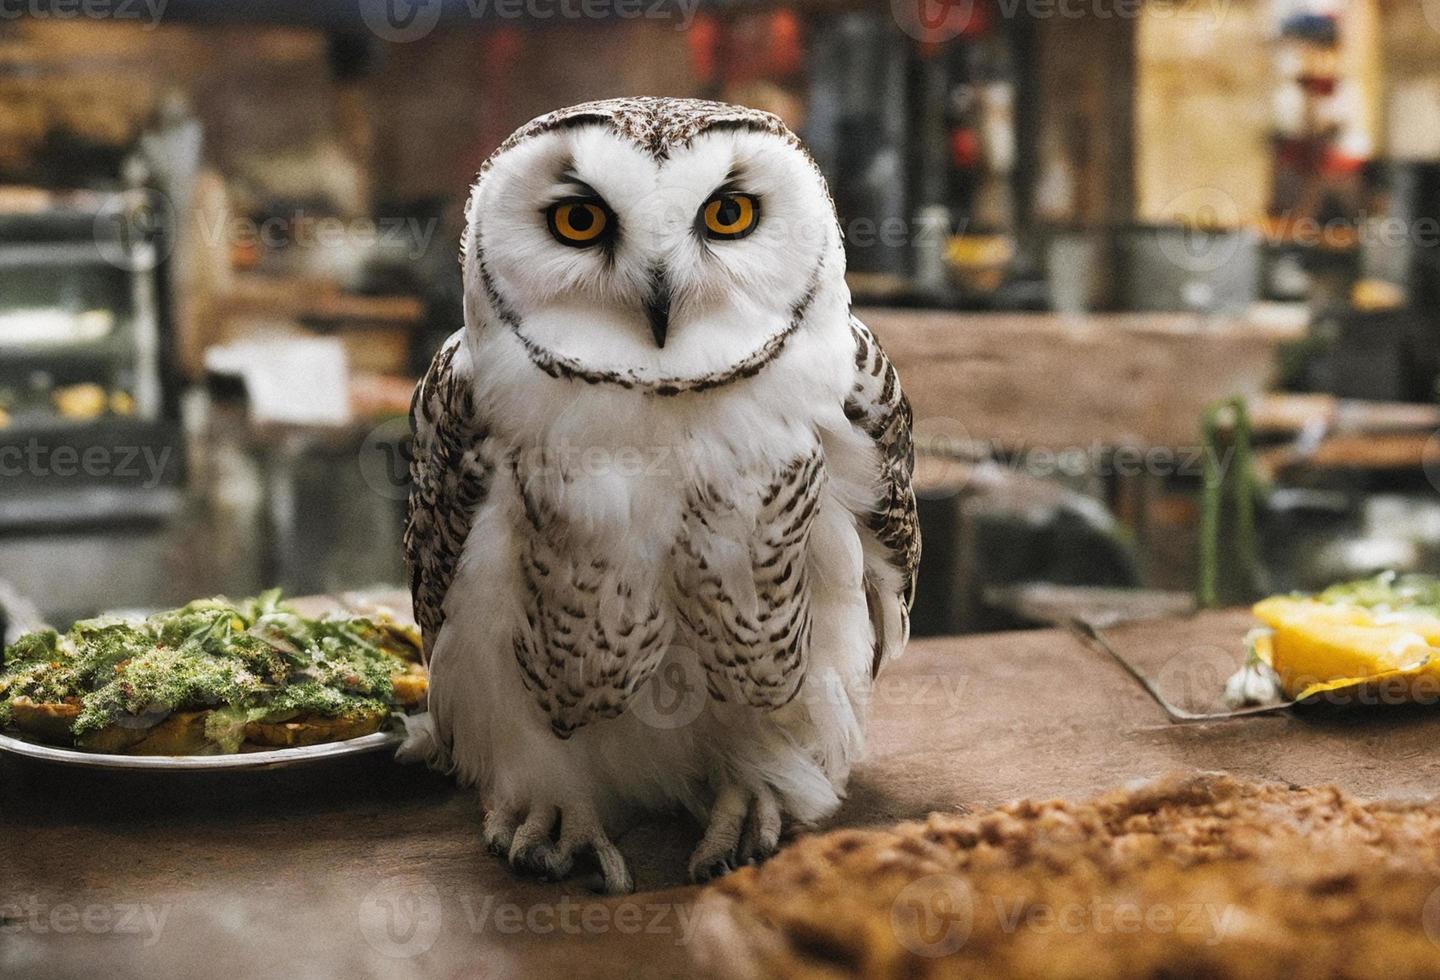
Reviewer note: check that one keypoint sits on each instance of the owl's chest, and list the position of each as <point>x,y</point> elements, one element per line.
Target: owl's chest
<point>616,564</point>
<point>653,506</point>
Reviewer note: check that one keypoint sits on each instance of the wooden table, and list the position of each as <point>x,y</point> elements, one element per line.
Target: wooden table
<point>293,874</point>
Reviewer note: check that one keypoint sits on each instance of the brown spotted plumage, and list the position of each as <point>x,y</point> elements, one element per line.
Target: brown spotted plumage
<point>747,610</point>
<point>451,469</point>
<point>879,407</point>
<point>590,638</point>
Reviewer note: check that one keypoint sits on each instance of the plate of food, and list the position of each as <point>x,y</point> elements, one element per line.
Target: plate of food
<point>1372,639</point>
<point>216,684</point>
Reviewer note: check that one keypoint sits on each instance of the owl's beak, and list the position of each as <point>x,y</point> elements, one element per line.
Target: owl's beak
<point>657,308</point>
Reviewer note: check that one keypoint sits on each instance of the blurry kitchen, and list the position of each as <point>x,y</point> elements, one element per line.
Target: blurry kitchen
<point>1162,277</point>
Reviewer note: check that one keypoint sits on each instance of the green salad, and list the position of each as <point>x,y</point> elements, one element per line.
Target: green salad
<point>214,676</point>
<point>1414,592</point>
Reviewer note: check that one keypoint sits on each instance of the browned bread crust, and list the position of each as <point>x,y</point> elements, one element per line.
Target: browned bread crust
<point>1198,876</point>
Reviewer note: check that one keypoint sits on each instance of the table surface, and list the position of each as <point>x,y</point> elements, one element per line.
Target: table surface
<point>371,868</point>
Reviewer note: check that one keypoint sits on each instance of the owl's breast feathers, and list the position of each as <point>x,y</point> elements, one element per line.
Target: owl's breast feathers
<point>742,582</point>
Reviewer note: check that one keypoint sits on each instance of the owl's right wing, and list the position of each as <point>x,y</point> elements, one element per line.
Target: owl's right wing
<point>890,530</point>
<point>451,470</point>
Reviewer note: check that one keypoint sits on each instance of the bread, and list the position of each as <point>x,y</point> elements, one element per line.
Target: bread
<point>1200,876</point>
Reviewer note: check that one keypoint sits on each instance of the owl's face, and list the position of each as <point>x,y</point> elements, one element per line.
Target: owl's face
<point>618,246</point>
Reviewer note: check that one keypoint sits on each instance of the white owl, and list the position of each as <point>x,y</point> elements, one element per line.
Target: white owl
<point>661,452</point>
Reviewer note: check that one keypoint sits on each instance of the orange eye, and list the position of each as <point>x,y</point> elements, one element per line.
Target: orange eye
<point>577,223</point>
<point>729,216</point>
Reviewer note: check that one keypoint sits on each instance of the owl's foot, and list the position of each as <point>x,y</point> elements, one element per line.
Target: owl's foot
<point>531,846</point>
<point>744,829</point>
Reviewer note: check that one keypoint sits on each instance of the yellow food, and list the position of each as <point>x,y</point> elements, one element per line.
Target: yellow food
<point>1318,647</point>
<point>48,721</point>
<point>410,687</point>
<point>312,730</point>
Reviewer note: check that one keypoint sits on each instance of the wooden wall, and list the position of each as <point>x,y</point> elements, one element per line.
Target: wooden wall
<point>425,117</point>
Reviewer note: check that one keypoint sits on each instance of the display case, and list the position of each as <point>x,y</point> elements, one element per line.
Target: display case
<point>88,420</point>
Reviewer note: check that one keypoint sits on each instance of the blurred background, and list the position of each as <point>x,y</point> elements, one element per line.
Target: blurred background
<point>1162,277</point>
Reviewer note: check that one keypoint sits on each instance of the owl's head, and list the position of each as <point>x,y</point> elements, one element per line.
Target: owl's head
<point>653,243</point>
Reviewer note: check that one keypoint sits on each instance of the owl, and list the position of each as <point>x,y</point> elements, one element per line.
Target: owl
<point>661,533</point>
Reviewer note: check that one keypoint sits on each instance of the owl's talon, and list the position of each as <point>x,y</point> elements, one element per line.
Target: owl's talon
<point>614,878</point>
<point>531,837</point>
<point>530,847</point>
<point>498,830</point>
<point>717,869</point>
<point>762,829</point>
<point>744,829</point>
<point>552,864</point>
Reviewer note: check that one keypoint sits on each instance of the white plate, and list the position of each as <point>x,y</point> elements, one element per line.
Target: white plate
<point>268,759</point>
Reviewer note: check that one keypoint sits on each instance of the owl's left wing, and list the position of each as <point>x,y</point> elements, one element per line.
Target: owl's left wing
<point>890,530</point>
<point>451,470</point>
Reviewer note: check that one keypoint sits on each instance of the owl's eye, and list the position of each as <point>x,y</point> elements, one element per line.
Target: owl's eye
<point>577,223</point>
<point>730,216</point>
